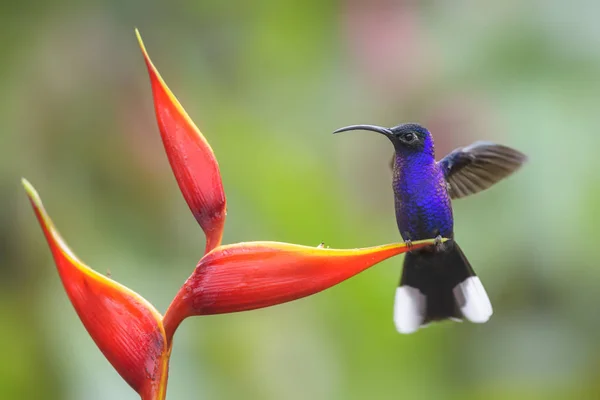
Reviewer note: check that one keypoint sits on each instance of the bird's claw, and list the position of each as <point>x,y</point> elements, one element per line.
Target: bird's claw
<point>438,243</point>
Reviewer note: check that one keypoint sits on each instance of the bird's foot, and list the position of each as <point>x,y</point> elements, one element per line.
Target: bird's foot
<point>408,244</point>
<point>438,243</point>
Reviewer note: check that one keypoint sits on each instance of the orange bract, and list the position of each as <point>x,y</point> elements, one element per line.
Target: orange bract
<point>191,157</point>
<point>252,275</point>
<point>125,327</point>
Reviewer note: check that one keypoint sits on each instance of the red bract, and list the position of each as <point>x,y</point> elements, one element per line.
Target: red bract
<point>252,275</point>
<point>191,157</point>
<point>126,328</point>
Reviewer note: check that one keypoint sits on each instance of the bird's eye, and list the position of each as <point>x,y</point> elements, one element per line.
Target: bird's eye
<point>408,137</point>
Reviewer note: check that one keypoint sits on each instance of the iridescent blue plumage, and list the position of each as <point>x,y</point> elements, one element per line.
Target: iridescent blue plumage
<point>423,207</point>
<point>438,283</point>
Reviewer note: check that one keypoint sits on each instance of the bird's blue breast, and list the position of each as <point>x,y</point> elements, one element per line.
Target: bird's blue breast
<point>423,207</point>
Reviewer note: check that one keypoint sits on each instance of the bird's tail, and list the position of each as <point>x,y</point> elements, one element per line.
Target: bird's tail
<point>438,285</point>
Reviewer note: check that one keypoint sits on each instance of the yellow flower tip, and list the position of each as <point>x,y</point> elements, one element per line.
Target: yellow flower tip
<point>152,69</point>
<point>31,192</point>
<point>141,43</point>
<point>156,77</point>
<point>36,202</point>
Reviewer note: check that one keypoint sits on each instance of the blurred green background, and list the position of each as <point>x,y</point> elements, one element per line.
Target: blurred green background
<point>267,81</point>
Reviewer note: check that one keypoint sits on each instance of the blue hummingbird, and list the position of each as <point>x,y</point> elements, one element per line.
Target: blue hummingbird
<point>438,282</point>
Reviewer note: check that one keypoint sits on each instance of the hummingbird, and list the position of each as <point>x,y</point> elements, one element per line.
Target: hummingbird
<point>437,282</point>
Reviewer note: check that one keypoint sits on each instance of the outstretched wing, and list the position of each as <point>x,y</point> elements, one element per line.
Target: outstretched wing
<point>474,168</point>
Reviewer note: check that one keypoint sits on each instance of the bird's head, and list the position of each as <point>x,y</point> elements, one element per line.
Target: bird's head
<point>406,138</point>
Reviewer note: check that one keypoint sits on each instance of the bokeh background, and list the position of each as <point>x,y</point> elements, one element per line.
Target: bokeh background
<point>267,81</point>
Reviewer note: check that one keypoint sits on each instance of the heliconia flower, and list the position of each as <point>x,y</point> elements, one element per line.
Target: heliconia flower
<point>191,157</point>
<point>125,327</point>
<point>252,275</point>
<point>129,331</point>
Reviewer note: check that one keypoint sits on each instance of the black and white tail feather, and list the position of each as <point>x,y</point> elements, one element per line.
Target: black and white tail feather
<point>438,285</point>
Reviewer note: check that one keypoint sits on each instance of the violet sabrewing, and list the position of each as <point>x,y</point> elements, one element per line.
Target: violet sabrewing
<point>438,283</point>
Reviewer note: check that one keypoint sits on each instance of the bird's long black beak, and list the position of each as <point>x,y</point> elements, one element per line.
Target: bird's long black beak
<point>374,128</point>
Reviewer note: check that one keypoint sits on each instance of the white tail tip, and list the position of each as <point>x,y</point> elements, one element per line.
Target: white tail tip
<point>409,309</point>
<point>473,300</point>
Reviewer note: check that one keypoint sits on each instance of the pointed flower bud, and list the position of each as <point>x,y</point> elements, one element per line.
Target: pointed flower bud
<point>125,327</point>
<point>191,157</point>
<point>252,275</point>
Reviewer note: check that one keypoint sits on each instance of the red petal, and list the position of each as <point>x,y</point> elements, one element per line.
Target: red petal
<point>246,276</point>
<point>191,157</point>
<point>127,329</point>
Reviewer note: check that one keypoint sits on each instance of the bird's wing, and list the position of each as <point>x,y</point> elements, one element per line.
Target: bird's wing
<point>474,168</point>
